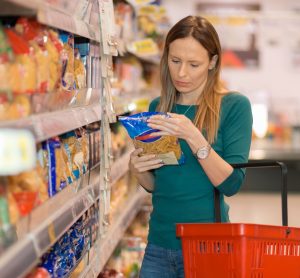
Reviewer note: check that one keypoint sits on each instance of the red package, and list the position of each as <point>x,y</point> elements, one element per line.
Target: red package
<point>34,34</point>
<point>40,272</point>
<point>22,72</point>
<point>26,201</point>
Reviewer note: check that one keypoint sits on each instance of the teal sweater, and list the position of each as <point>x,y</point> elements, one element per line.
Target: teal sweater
<point>184,194</point>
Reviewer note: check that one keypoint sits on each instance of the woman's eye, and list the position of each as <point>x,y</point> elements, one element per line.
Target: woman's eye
<point>195,65</point>
<point>175,61</point>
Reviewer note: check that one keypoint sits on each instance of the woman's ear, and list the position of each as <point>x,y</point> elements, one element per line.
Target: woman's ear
<point>213,62</point>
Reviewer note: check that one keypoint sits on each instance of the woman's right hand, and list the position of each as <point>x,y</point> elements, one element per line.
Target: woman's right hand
<point>139,164</point>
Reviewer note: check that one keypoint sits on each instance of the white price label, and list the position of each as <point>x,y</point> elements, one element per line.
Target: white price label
<point>17,151</point>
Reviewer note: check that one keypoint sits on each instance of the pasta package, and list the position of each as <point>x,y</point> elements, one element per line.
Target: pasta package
<point>34,34</point>
<point>166,148</point>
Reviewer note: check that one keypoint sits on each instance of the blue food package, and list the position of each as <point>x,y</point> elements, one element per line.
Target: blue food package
<point>167,148</point>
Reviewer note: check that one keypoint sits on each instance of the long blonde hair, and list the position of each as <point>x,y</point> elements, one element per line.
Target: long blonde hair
<point>208,113</point>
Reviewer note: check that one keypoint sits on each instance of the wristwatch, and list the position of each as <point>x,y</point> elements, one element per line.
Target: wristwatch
<point>203,152</point>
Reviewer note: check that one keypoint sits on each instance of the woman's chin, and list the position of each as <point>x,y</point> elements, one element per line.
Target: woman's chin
<point>182,89</point>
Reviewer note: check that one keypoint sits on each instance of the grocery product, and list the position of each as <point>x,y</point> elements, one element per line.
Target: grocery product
<point>34,34</point>
<point>67,78</point>
<point>166,148</point>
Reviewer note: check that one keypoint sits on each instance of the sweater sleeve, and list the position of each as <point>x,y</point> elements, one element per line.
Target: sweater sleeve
<point>236,128</point>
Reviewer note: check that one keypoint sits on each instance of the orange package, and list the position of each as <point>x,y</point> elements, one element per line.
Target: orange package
<point>22,72</point>
<point>33,33</point>
<point>11,107</point>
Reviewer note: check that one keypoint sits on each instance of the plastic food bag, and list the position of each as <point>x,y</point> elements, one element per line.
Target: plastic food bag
<point>166,148</point>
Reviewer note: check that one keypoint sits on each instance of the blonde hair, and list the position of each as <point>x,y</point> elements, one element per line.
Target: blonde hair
<point>208,113</point>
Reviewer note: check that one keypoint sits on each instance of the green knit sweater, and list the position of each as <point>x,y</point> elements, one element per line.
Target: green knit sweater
<point>184,194</point>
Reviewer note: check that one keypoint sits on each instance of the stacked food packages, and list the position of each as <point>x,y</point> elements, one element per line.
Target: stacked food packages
<point>66,254</point>
<point>41,68</point>
<point>61,161</point>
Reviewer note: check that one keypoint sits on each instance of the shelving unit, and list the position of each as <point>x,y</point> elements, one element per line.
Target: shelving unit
<point>38,231</point>
<point>117,229</point>
<point>46,224</point>
<point>120,167</point>
<point>53,15</point>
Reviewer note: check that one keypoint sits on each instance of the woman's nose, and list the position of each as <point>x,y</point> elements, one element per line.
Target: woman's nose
<point>182,70</point>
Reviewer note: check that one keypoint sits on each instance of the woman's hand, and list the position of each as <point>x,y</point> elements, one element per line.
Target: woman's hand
<point>176,125</point>
<point>139,164</point>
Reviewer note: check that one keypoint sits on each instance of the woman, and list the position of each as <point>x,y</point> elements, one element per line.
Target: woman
<point>214,128</point>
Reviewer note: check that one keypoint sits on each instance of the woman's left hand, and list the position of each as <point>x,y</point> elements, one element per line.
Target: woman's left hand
<point>176,125</point>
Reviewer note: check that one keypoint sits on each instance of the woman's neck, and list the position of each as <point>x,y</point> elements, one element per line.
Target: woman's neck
<point>187,99</point>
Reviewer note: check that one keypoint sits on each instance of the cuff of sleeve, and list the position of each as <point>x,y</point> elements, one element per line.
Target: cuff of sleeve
<point>232,184</point>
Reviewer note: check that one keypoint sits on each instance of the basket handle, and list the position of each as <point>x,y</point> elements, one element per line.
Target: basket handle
<point>261,164</point>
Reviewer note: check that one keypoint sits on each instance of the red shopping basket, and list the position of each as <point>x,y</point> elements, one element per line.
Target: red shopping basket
<point>234,250</point>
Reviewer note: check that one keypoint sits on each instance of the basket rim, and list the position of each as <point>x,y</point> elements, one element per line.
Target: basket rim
<point>210,230</point>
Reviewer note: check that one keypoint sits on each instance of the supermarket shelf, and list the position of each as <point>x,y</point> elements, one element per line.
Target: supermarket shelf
<point>116,231</point>
<point>83,255</point>
<point>120,167</point>
<point>153,59</point>
<point>123,106</point>
<point>92,269</point>
<point>51,15</point>
<point>65,22</point>
<point>46,224</point>
<point>134,101</point>
<point>107,244</point>
<point>47,125</point>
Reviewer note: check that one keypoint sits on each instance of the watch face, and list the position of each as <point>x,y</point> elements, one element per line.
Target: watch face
<point>203,152</point>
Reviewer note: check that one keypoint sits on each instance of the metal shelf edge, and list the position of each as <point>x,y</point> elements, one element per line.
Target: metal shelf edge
<point>47,125</point>
<point>49,15</point>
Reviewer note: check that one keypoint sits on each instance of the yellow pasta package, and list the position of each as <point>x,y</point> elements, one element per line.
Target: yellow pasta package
<point>166,148</point>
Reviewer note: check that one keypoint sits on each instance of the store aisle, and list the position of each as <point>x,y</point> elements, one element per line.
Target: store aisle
<point>263,208</point>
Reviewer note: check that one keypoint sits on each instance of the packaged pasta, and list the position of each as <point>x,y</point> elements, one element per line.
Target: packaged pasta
<point>68,78</point>
<point>79,71</point>
<point>6,57</point>
<point>22,71</point>
<point>57,167</point>
<point>54,47</point>
<point>34,34</point>
<point>166,148</point>
<point>75,155</point>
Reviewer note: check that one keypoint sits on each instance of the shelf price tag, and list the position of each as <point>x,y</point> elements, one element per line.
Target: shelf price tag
<point>140,2</point>
<point>143,47</point>
<point>17,151</point>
